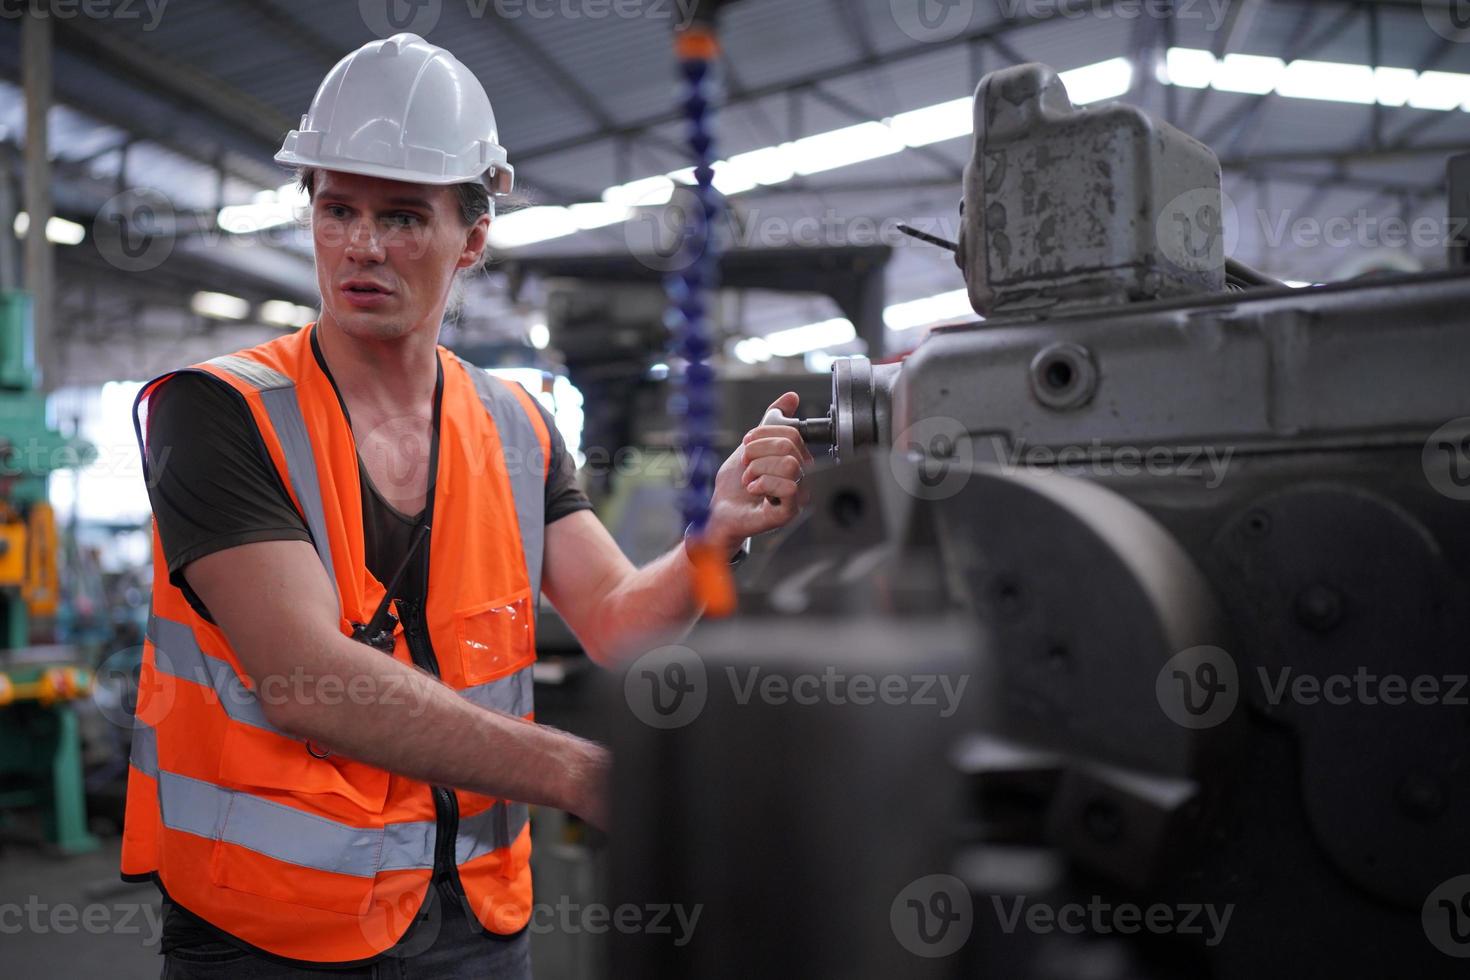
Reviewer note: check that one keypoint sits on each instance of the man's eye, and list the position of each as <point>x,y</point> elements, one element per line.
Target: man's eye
<point>403,219</point>
<point>335,211</point>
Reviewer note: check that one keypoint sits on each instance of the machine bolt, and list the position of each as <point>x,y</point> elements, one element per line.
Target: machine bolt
<point>1319,607</point>
<point>1257,524</point>
<point>1063,376</point>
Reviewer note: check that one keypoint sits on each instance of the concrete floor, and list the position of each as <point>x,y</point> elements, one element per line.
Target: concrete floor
<point>73,917</point>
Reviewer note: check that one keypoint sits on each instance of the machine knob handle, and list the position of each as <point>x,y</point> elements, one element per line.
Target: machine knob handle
<point>812,432</point>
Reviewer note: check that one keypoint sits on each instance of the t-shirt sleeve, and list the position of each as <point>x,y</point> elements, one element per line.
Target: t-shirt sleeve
<point>563,493</point>
<point>210,481</point>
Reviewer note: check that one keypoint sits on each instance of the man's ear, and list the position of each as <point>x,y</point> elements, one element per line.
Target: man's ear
<point>477,239</point>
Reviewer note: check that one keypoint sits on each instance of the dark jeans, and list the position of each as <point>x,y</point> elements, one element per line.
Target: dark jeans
<point>445,946</point>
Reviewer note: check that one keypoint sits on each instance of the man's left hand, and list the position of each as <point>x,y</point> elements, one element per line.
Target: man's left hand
<point>769,464</point>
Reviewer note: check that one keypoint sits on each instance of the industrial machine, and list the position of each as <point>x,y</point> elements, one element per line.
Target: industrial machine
<point>1189,551</point>
<point>40,743</point>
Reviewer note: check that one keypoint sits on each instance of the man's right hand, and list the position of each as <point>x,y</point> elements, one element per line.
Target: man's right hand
<point>278,609</point>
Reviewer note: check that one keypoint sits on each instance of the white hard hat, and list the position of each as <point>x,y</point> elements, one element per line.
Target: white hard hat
<point>402,109</point>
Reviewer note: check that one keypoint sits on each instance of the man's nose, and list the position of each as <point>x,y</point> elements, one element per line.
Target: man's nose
<point>364,243</point>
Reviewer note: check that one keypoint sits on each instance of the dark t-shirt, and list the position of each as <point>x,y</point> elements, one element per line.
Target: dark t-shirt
<point>213,486</point>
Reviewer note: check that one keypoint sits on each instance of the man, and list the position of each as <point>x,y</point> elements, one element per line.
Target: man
<point>302,793</point>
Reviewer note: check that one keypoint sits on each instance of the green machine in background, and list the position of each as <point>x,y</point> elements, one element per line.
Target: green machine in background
<point>40,744</point>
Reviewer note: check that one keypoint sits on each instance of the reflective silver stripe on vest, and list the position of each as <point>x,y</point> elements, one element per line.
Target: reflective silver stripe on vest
<point>526,465</point>
<point>273,829</point>
<point>512,695</point>
<point>251,372</point>
<point>278,394</point>
<point>489,830</point>
<point>285,833</point>
<point>144,752</point>
<point>176,652</point>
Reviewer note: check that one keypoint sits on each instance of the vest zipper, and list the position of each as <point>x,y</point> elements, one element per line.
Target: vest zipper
<point>446,805</point>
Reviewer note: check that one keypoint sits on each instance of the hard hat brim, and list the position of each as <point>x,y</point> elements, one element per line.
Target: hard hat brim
<point>501,174</point>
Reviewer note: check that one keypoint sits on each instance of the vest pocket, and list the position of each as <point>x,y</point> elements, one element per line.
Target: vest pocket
<point>269,760</point>
<point>494,638</point>
<point>298,879</point>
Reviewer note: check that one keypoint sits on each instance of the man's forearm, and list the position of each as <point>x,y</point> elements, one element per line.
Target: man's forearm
<point>656,602</point>
<point>402,720</point>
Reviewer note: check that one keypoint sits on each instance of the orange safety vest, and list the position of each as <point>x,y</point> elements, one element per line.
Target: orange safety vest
<point>328,860</point>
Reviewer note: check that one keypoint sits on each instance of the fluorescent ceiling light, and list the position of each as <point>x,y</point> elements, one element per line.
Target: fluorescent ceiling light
<point>1188,68</point>
<point>598,215</point>
<point>929,309</point>
<point>279,313</point>
<point>539,334</point>
<point>1328,80</point>
<point>752,350</point>
<point>1440,90</point>
<point>843,147</point>
<point>766,166</point>
<point>1325,80</point>
<point>812,336</point>
<point>221,306</point>
<point>650,192</point>
<point>818,361</point>
<point>728,180</point>
<point>935,123</point>
<point>1094,83</point>
<point>1247,73</point>
<point>530,225</point>
<point>268,209</point>
<point>59,231</point>
<point>1394,85</point>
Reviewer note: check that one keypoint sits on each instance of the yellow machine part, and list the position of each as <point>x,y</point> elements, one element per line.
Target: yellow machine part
<point>12,553</point>
<point>40,587</point>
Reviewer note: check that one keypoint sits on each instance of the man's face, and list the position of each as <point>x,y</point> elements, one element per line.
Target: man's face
<point>387,252</point>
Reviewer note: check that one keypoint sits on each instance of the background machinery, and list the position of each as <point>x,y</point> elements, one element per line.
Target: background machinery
<point>1157,511</point>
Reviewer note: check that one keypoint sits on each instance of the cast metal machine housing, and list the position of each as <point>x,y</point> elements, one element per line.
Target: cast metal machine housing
<point>1137,510</point>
